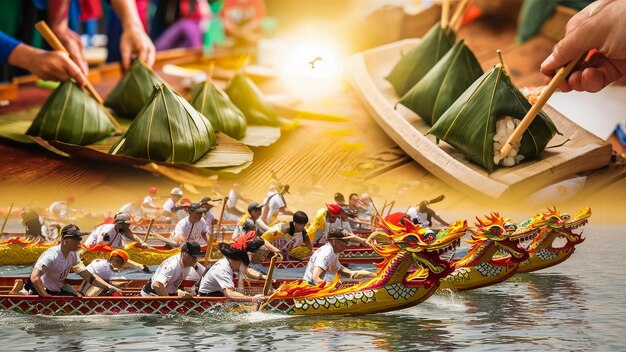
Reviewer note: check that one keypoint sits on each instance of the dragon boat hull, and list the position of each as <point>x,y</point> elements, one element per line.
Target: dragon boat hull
<point>485,274</point>
<point>545,258</point>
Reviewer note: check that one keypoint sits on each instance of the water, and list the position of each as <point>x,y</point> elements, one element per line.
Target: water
<point>578,305</point>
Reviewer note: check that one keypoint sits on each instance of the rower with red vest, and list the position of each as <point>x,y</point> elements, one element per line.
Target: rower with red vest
<point>115,234</point>
<point>53,266</point>
<point>173,271</point>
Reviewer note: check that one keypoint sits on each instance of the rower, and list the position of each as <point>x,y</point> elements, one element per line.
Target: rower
<point>253,215</point>
<point>322,223</point>
<point>366,210</point>
<point>133,209</point>
<point>116,234</point>
<point>340,199</point>
<point>148,208</point>
<point>33,224</point>
<point>61,209</point>
<point>423,215</point>
<point>169,207</point>
<point>192,227</point>
<point>53,266</point>
<point>218,280</point>
<point>105,269</point>
<point>344,223</point>
<point>326,259</point>
<point>276,205</point>
<point>355,206</point>
<point>208,205</point>
<point>289,235</point>
<point>171,273</point>
<point>233,197</point>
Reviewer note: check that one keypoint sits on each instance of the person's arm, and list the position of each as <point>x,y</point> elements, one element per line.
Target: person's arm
<point>57,20</point>
<point>97,281</point>
<point>233,295</point>
<point>130,235</point>
<point>352,237</point>
<point>261,225</point>
<point>318,272</point>
<point>355,274</point>
<point>273,249</point>
<point>159,288</point>
<point>35,279</point>
<point>255,275</point>
<point>134,41</point>
<point>598,26</point>
<point>285,211</point>
<point>133,264</point>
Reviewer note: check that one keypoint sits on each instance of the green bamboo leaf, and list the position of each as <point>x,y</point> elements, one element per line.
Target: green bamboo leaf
<point>443,84</point>
<point>416,63</point>
<point>215,105</point>
<point>71,116</point>
<point>249,99</point>
<point>167,129</point>
<point>133,90</point>
<point>470,123</point>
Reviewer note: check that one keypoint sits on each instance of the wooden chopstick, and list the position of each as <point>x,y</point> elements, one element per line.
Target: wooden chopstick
<point>457,17</point>
<point>560,75</point>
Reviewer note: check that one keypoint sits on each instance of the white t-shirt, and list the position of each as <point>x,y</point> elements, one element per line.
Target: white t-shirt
<point>106,234</point>
<point>422,218</point>
<point>169,204</point>
<point>232,199</point>
<point>148,200</point>
<point>209,217</point>
<point>219,277</point>
<point>60,209</point>
<point>55,267</point>
<point>102,268</point>
<point>171,273</point>
<point>275,202</point>
<point>324,258</point>
<point>187,231</point>
<point>130,209</point>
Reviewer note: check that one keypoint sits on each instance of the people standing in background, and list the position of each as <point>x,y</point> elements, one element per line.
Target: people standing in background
<point>243,19</point>
<point>187,31</point>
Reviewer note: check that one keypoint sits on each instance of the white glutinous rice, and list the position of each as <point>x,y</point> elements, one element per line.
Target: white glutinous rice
<point>504,129</point>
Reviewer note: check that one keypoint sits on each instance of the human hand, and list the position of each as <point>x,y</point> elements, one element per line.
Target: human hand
<point>49,65</point>
<point>74,46</point>
<point>146,269</point>
<point>114,289</point>
<point>135,41</point>
<point>258,298</point>
<point>184,294</point>
<point>598,26</point>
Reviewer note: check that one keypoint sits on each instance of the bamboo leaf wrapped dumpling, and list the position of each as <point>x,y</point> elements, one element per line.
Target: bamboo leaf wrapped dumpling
<point>249,99</point>
<point>215,105</point>
<point>416,63</point>
<point>443,84</point>
<point>133,90</point>
<point>485,115</point>
<point>167,129</point>
<point>72,116</point>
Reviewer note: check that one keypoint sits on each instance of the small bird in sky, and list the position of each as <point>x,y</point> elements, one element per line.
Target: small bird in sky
<point>312,63</point>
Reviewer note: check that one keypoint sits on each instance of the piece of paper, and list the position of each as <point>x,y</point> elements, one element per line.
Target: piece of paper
<point>598,113</point>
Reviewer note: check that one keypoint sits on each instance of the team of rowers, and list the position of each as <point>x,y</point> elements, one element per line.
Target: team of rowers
<point>252,242</point>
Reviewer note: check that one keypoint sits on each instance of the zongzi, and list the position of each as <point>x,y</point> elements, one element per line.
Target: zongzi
<point>133,91</point>
<point>215,105</point>
<point>443,84</point>
<point>482,117</point>
<point>167,129</point>
<point>416,63</point>
<point>249,99</point>
<point>72,116</point>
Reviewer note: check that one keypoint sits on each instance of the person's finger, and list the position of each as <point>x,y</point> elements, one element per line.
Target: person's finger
<point>151,55</point>
<point>125,53</point>
<point>574,81</point>
<point>592,80</point>
<point>73,71</point>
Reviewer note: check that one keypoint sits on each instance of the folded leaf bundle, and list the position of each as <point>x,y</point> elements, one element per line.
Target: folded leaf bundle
<point>70,115</point>
<point>133,91</point>
<point>416,63</point>
<point>249,99</point>
<point>478,122</point>
<point>215,105</point>
<point>167,129</point>
<point>443,84</point>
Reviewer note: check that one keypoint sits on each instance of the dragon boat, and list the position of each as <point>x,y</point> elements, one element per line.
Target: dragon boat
<point>544,249</point>
<point>393,288</point>
<point>495,255</point>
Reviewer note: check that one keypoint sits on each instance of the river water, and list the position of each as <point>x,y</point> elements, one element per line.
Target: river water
<point>577,305</point>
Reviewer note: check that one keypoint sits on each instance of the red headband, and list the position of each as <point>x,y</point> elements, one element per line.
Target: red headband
<point>334,209</point>
<point>241,243</point>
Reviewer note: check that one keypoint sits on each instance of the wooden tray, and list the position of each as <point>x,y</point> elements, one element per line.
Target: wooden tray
<point>583,152</point>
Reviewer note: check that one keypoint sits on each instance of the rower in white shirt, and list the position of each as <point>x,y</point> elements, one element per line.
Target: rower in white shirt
<point>148,208</point>
<point>173,271</point>
<point>61,209</point>
<point>170,206</point>
<point>253,215</point>
<point>193,227</point>
<point>53,266</point>
<point>116,234</point>
<point>275,205</point>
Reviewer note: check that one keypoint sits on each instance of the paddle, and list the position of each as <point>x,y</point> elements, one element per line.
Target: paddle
<point>4,223</point>
<point>145,238</point>
<point>212,236</point>
<point>268,282</point>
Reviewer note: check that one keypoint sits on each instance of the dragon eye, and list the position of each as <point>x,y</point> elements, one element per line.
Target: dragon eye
<point>496,230</point>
